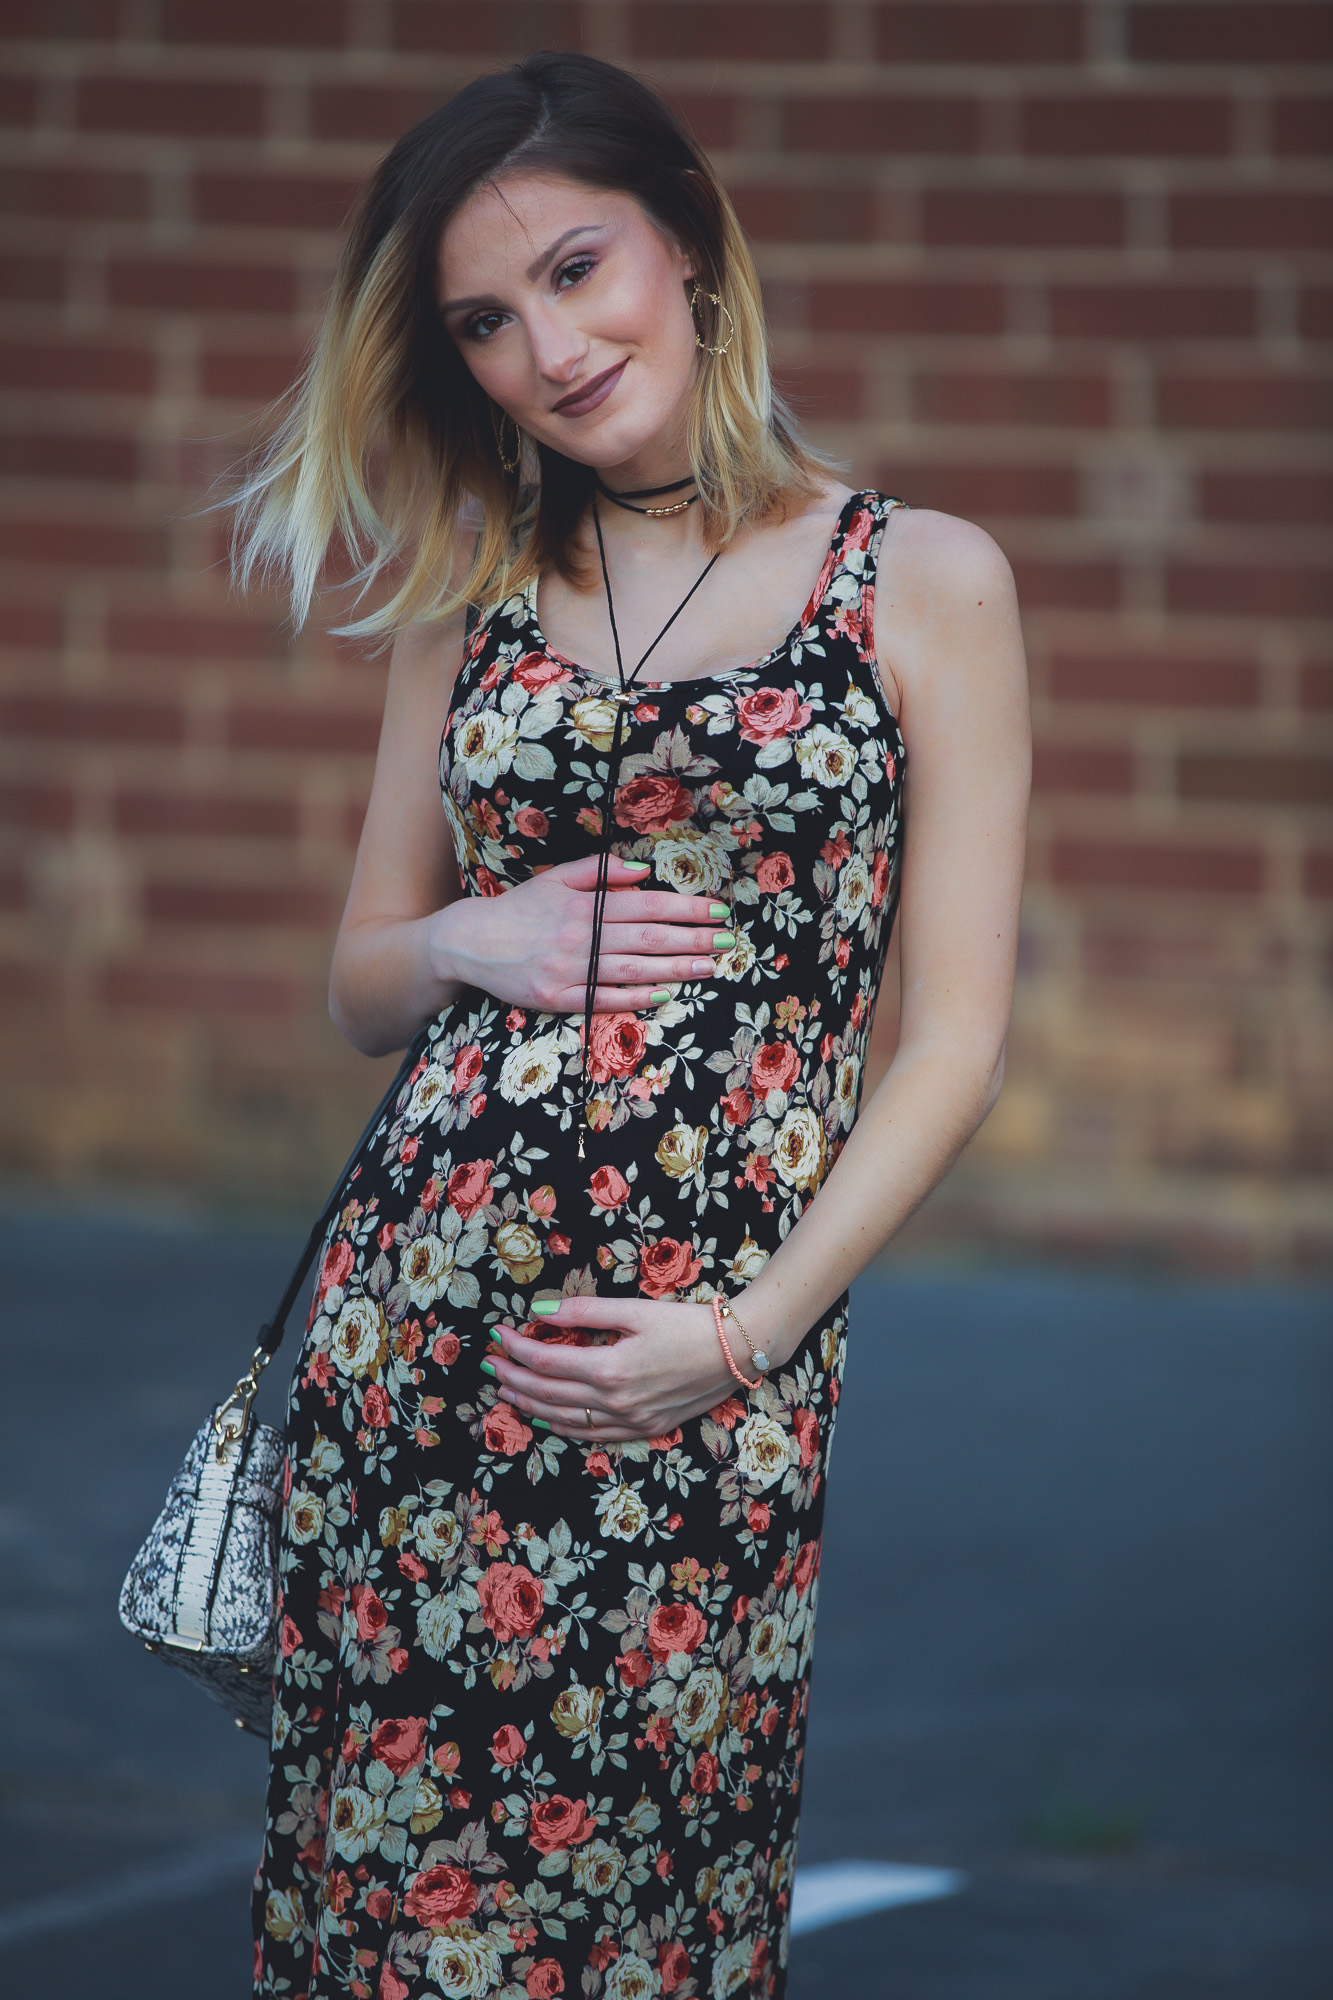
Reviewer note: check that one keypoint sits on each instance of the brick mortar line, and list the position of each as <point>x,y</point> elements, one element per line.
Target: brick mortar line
<point>1061,264</point>
<point>944,442</point>
<point>1289,733</point>
<point>799,79</point>
<point>701,75</point>
<point>1065,539</point>
<point>1171,267</point>
<point>1183,538</point>
<point>1003,171</point>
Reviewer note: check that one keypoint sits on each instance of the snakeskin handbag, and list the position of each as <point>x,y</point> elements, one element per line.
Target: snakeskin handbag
<point>202,1593</point>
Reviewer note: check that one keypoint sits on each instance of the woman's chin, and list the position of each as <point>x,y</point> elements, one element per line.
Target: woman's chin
<point>621,438</point>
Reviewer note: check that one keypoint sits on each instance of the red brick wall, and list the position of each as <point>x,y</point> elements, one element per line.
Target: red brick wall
<point>1060,267</point>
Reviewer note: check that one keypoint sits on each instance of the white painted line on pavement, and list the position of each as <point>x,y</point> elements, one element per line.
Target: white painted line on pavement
<point>833,1891</point>
<point>167,1880</point>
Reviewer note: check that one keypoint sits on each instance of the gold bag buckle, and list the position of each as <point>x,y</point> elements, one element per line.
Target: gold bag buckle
<point>231,1429</point>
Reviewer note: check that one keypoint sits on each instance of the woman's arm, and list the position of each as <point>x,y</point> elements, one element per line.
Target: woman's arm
<point>410,939</point>
<point>951,652</point>
<point>384,980</point>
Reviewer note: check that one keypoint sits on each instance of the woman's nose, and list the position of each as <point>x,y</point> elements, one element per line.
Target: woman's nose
<point>558,347</point>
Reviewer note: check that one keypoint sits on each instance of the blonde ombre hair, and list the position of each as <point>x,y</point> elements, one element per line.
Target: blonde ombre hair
<point>387,446</point>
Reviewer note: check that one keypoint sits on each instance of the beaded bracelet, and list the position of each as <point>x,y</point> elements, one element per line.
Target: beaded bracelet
<point>719,1307</point>
<point>757,1354</point>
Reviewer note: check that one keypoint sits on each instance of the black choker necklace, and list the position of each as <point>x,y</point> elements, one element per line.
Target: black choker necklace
<point>649,493</point>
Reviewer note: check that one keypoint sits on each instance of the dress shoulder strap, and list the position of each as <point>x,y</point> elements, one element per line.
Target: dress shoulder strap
<point>853,557</point>
<point>881,506</point>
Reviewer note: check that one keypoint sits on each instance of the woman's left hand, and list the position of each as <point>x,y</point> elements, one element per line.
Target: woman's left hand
<point>666,1368</point>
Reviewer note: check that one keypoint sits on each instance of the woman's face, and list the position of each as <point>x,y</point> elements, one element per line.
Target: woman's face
<point>572,311</point>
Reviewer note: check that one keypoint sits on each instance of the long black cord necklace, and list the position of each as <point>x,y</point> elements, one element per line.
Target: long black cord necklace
<point>623,697</point>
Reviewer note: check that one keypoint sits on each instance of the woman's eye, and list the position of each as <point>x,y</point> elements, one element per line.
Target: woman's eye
<point>482,325</point>
<point>574,272</point>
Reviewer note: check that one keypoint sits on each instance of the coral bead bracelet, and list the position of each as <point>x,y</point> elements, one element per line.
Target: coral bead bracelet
<point>722,1310</point>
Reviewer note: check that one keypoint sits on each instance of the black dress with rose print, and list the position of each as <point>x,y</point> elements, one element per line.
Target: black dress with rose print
<point>540,1708</point>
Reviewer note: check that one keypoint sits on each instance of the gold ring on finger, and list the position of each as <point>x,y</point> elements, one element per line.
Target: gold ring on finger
<point>588,1414</point>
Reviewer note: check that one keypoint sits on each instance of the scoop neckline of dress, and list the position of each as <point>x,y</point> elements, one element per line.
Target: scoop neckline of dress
<point>722,673</point>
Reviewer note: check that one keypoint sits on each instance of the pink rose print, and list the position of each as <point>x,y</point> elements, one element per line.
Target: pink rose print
<point>375,1407</point>
<point>775,873</point>
<point>675,1628</point>
<point>559,1822</point>
<point>441,1896</point>
<point>337,1266</point>
<point>545,1980</point>
<point>507,1745</point>
<point>469,1187</point>
<point>738,1106</point>
<point>400,1744</point>
<point>703,1778</point>
<point>665,1266</point>
<point>807,1567</point>
<point>368,1611</point>
<point>609,1187</point>
<point>673,1965</point>
<point>467,1068</point>
<point>618,1043</point>
<point>536,671</point>
<point>652,802</point>
<point>504,1430</point>
<point>806,1426</point>
<point>769,713</point>
<point>775,1066</point>
<point>512,1601</point>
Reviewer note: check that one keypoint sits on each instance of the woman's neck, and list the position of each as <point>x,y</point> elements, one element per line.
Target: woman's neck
<point>660,463</point>
<point>635,538</point>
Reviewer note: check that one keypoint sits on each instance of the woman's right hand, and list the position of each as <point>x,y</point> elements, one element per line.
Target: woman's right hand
<point>530,945</point>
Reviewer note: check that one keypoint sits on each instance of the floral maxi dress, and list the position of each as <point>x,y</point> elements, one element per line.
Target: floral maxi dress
<point>540,1706</point>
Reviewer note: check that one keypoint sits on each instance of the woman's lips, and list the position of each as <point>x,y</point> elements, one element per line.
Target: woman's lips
<point>591,394</point>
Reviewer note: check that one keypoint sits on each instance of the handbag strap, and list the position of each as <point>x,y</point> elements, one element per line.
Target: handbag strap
<point>231,1419</point>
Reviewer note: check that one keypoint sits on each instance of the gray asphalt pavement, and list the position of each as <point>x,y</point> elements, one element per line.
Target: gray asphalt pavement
<point>1075,1633</point>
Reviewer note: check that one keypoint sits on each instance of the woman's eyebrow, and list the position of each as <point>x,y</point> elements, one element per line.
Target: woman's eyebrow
<point>540,263</point>
<point>534,270</point>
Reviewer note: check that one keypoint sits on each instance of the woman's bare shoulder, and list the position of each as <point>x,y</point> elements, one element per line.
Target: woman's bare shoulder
<point>946,610</point>
<point>429,646</point>
<point>826,503</point>
<point>941,557</point>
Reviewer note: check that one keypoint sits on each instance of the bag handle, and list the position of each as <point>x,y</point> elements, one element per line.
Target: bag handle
<point>231,1419</point>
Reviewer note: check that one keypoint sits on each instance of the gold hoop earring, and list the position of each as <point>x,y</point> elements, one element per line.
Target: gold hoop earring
<point>509,464</point>
<point>699,341</point>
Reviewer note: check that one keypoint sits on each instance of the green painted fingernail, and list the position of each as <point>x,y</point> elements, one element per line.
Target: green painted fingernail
<point>643,868</point>
<point>541,1307</point>
<point>717,911</point>
<point>489,1368</point>
<point>723,940</point>
<point>539,1423</point>
<point>662,993</point>
<point>497,1336</point>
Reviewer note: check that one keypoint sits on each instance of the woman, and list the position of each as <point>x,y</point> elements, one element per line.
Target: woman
<point>550,1553</point>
